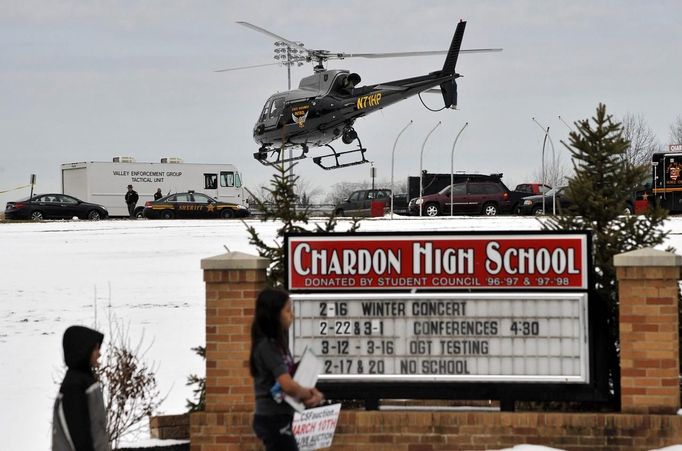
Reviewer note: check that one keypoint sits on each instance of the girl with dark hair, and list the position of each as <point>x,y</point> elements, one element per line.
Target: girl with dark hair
<point>272,369</point>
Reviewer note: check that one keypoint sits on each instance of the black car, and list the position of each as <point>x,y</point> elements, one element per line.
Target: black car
<point>54,206</point>
<point>532,205</point>
<point>192,205</point>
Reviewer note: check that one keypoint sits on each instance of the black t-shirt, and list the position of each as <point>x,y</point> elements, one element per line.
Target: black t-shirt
<point>271,362</point>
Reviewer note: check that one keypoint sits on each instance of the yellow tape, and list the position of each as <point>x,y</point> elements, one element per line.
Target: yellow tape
<point>14,189</point>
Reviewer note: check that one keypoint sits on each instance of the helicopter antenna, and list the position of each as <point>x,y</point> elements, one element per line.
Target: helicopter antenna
<point>426,106</point>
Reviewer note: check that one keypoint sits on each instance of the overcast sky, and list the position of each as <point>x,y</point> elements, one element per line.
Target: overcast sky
<point>86,81</point>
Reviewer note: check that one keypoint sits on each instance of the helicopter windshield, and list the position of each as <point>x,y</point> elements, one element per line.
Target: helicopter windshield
<point>266,109</point>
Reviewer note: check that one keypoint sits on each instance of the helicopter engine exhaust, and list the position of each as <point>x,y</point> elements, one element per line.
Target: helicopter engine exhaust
<point>350,81</point>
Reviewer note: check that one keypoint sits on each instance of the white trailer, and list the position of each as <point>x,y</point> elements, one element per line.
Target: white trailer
<point>105,183</point>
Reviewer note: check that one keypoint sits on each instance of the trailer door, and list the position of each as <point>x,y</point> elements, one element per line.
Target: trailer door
<point>75,183</point>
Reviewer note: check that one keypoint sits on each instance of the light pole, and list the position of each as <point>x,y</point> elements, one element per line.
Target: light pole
<point>289,56</point>
<point>554,165</point>
<point>393,163</point>
<point>544,141</point>
<point>421,159</point>
<point>452,166</point>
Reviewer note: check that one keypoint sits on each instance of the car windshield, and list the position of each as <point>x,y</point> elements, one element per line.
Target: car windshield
<point>553,191</point>
<point>457,187</point>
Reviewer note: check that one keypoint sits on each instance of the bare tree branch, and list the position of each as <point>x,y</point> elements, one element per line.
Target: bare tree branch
<point>676,131</point>
<point>643,141</point>
<point>129,383</point>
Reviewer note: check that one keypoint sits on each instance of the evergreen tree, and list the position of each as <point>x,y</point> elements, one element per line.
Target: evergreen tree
<point>285,206</point>
<point>603,181</point>
<point>294,216</point>
<point>199,404</point>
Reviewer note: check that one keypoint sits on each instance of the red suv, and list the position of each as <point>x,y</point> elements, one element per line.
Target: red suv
<point>487,197</point>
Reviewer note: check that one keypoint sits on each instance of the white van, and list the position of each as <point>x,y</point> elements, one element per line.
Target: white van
<point>105,183</point>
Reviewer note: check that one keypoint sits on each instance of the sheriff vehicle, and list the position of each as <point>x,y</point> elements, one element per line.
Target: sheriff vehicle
<point>191,205</point>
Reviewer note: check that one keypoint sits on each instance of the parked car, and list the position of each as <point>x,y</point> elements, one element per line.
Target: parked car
<point>191,205</point>
<point>532,188</point>
<point>54,206</point>
<point>479,196</point>
<point>359,203</point>
<point>532,205</point>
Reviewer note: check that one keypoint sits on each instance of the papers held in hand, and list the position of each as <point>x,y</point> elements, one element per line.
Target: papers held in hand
<point>309,368</point>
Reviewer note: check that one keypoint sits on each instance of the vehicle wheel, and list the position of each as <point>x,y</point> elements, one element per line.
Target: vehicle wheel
<point>338,212</point>
<point>94,215</point>
<point>167,214</point>
<point>431,210</point>
<point>226,213</point>
<point>489,210</point>
<point>37,216</point>
<point>537,211</point>
<point>139,213</point>
<point>516,209</point>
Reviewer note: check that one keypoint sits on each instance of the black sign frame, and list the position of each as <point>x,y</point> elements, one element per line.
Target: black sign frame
<point>596,390</point>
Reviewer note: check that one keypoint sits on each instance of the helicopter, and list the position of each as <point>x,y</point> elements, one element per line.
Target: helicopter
<point>327,103</point>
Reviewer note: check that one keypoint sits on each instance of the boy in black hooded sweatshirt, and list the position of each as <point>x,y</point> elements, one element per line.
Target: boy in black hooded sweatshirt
<point>79,419</point>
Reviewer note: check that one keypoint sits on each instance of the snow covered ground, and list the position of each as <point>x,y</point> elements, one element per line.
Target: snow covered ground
<point>55,274</point>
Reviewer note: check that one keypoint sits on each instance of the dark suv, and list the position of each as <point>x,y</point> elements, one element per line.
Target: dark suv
<point>488,196</point>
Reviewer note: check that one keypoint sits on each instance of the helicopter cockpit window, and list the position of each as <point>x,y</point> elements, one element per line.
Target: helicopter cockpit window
<point>277,107</point>
<point>266,109</point>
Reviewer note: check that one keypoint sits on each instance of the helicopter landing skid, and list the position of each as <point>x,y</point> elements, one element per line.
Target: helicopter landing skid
<point>264,157</point>
<point>336,155</point>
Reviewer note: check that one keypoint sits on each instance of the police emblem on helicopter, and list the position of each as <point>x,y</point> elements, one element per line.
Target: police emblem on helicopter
<point>299,113</point>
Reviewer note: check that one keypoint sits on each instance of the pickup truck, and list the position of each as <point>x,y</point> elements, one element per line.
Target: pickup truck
<point>359,203</point>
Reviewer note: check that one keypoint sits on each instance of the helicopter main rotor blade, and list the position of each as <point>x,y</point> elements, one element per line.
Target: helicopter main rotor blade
<point>319,56</point>
<point>273,35</point>
<point>404,54</point>
<point>246,67</point>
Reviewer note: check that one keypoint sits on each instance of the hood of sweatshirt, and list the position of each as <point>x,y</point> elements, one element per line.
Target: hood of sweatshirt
<point>78,344</point>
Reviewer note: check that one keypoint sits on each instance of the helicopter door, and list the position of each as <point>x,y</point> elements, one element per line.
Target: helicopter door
<point>276,110</point>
